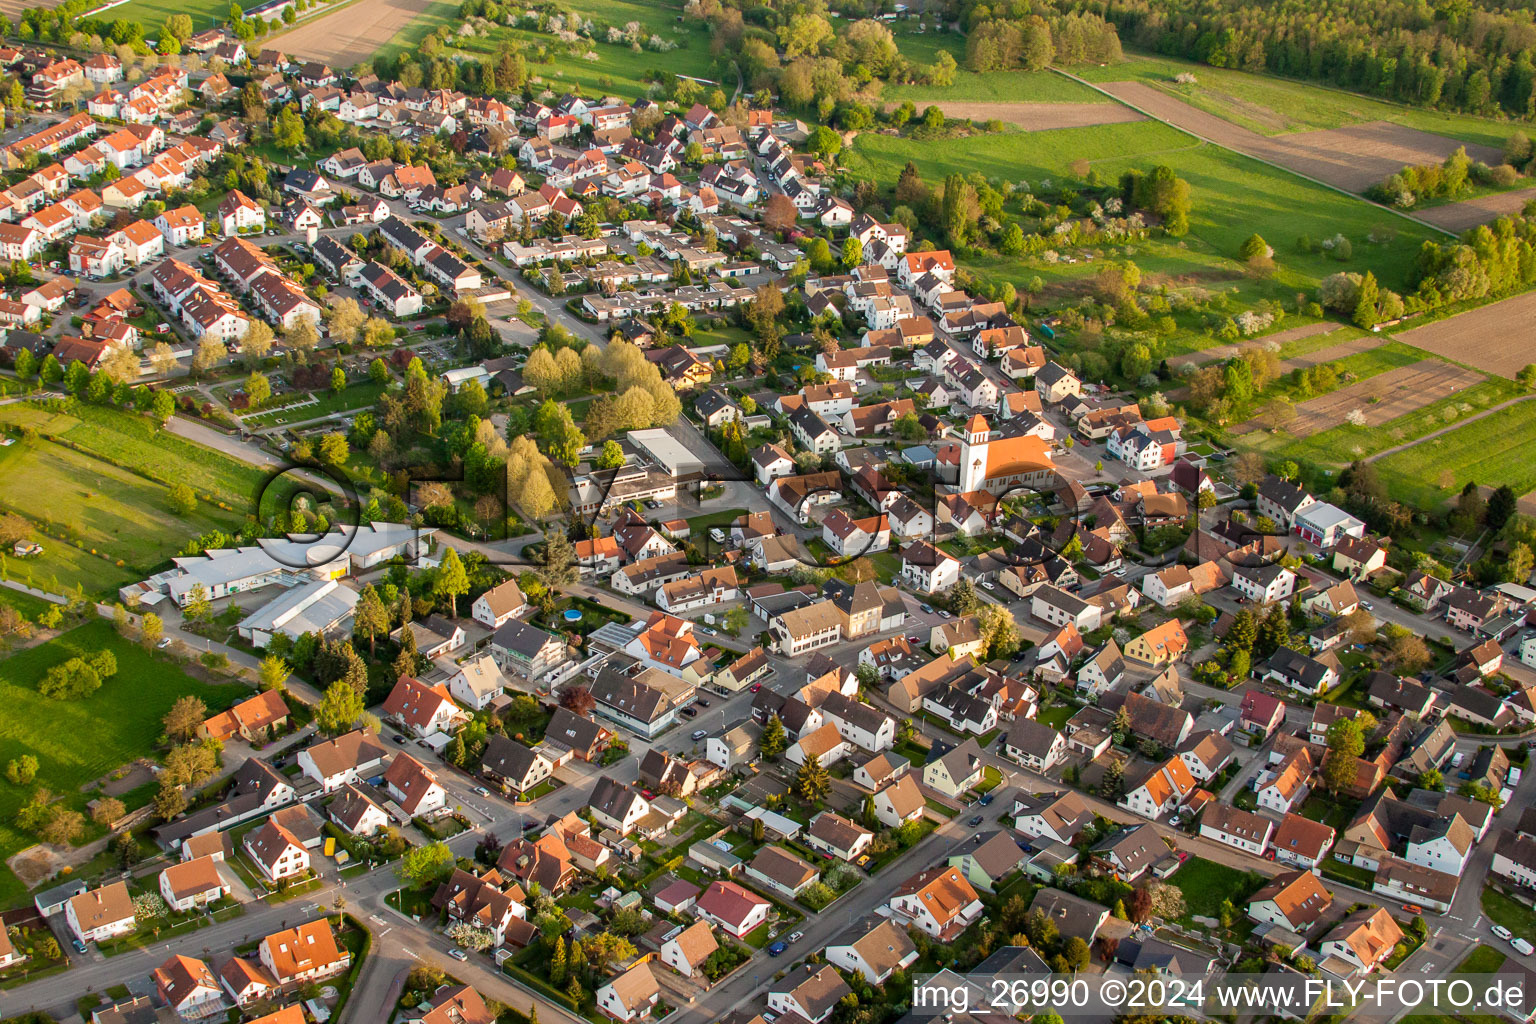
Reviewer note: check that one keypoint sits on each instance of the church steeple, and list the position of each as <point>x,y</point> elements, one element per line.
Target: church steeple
<point>977,431</point>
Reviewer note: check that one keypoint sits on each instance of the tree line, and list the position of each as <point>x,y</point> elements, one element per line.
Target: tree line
<point>1451,56</point>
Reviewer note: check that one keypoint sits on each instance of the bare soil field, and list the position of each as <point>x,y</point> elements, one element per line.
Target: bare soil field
<point>1383,397</point>
<point>1352,158</point>
<point>1304,361</point>
<point>1460,216</point>
<point>350,35</point>
<point>13,8</point>
<point>1495,338</point>
<point>1034,117</point>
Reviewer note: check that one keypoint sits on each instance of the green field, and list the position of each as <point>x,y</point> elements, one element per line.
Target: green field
<point>117,515</point>
<point>80,740</point>
<point>1233,196</point>
<point>1495,450</point>
<point>1274,106</point>
<point>923,47</point>
<point>616,68</point>
<point>998,87</point>
<point>1343,444</point>
<point>152,13</point>
<point>135,442</point>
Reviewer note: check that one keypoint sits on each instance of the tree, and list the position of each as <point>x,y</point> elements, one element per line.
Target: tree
<point>150,629</point>
<point>21,770</point>
<point>339,709</point>
<point>255,343</point>
<point>1076,952</point>
<point>70,680</point>
<point>577,700</point>
<point>272,673</point>
<point>812,782</point>
<point>183,500</point>
<point>557,564</point>
<point>1406,652</point>
<point>370,618</point>
<point>424,865</point>
<point>780,213</point>
<point>209,353</point>
<point>169,800</point>
<point>774,740</point>
<point>1501,505</point>
<point>107,810</point>
<point>451,581</point>
<point>185,718</point>
<point>853,252</point>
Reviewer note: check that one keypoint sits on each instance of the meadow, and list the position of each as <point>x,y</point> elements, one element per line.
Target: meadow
<point>616,69</point>
<point>122,520</point>
<point>1233,197</point>
<point>77,741</point>
<point>137,444</point>
<point>1275,106</point>
<point>1491,451</point>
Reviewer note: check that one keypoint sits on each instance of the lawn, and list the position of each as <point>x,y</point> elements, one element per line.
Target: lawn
<point>355,396</point>
<point>1275,106</point>
<point>77,741</point>
<point>1515,916</point>
<point>1491,451</point>
<point>122,520</point>
<point>1346,442</point>
<point>1205,884</point>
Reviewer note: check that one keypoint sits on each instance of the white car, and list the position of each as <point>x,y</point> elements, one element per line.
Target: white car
<point>1522,947</point>
<point>459,954</point>
<point>1502,932</point>
<point>989,584</point>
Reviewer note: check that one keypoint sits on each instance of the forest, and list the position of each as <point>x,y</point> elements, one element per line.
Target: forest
<point>1453,55</point>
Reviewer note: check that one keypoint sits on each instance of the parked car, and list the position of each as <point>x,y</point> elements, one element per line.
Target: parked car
<point>79,946</point>
<point>399,739</point>
<point>986,798</point>
<point>755,687</point>
<point>482,791</point>
<point>976,821</point>
<point>796,936</point>
<point>459,954</point>
<point>927,608</point>
<point>690,712</point>
<point>914,639</point>
<point>1521,946</point>
<point>778,948</point>
<point>1408,908</point>
<point>699,734</point>
<point>1503,933</point>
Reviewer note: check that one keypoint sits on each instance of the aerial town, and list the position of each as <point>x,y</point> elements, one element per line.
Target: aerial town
<point>718,513</point>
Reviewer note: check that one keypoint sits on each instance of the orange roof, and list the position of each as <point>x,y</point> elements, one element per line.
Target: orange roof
<point>310,946</point>
<point>416,702</point>
<point>255,713</point>
<point>943,891</point>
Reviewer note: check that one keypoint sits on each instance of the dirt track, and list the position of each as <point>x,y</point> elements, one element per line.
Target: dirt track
<point>1495,338</point>
<point>352,34</point>
<point>1383,397</point>
<point>1221,353</point>
<point>1034,117</point>
<point>1352,158</point>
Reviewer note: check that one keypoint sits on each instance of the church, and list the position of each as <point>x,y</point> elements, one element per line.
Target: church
<point>999,464</point>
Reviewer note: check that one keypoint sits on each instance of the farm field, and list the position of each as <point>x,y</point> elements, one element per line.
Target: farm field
<point>121,518</point>
<point>90,736</point>
<point>1384,396</point>
<point>1038,116</point>
<point>997,87</point>
<point>1351,158</point>
<point>1273,106</point>
<point>1495,337</point>
<point>1460,216</point>
<point>1492,451</point>
<point>345,37</point>
<point>1340,445</point>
